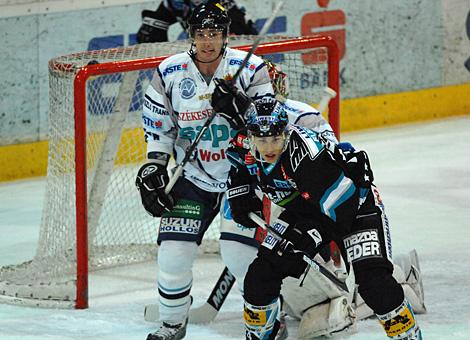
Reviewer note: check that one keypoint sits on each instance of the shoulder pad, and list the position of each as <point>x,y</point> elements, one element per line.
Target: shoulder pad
<point>236,57</point>
<point>174,64</point>
<point>302,143</point>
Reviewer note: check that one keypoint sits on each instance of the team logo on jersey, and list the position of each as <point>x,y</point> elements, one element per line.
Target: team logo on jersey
<point>187,88</point>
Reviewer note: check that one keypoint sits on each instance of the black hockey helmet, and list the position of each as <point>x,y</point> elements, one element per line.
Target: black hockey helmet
<point>209,15</point>
<point>267,119</point>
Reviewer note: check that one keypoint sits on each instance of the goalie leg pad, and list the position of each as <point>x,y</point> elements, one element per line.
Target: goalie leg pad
<point>262,322</point>
<point>407,272</point>
<point>400,323</point>
<point>326,319</point>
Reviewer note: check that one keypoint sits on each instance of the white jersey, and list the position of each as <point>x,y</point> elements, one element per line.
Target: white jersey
<point>177,104</point>
<point>302,114</point>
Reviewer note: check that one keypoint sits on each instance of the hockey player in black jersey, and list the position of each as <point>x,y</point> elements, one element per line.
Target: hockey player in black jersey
<point>324,194</point>
<point>155,24</point>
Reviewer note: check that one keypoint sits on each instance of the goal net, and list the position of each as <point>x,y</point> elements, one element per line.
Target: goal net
<point>92,216</point>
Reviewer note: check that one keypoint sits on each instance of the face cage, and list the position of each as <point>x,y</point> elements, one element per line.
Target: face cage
<point>278,79</point>
<point>279,84</point>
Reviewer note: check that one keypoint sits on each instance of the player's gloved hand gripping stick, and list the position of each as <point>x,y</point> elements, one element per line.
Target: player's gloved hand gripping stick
<point>310,261</point>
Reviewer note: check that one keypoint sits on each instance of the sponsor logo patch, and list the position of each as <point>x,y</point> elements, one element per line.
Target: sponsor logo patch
<point>155,124</point>
<point>399,323</point>
<point>362,245</point>
<point>174,68</point>
<point>254,318</point>
<point>180,225</point>
<point>194,115</point>
<point>269,241</point>
<point>187,209</point>
<point>238,191</point>
<point>238,62</point>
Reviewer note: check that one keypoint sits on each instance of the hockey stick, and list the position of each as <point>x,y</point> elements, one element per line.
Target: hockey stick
<point>189,152</point>
<point>208,311</point>
<point>328,94</point>
<point>311,262</point>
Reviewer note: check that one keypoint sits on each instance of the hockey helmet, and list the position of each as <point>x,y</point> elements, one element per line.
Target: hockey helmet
<point>267,119</point>
<point>209,15</point>
<point>278,79</point>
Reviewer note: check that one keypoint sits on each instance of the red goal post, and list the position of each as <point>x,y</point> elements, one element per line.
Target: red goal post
<point>95,155</point>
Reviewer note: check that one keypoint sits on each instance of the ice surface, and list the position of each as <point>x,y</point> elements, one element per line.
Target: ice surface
<point>423,174</point>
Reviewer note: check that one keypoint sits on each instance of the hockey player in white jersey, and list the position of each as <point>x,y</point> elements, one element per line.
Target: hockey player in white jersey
<point>179,100</point>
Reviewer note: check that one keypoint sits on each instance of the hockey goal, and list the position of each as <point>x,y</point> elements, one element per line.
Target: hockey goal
<point>92,217</point>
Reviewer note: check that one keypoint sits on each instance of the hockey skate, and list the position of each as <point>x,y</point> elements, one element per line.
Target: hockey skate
<point>168,331</point>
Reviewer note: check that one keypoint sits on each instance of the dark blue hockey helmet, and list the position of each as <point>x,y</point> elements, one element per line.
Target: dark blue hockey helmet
<point>267,119</point>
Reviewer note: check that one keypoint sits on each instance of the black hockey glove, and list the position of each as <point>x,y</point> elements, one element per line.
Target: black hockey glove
<point>230,103</point>
<point>238,24</point>
<point>152,178</point>
<point>243,201</point>
<point>298,234</point>
<point>153,28</point>
<point>358,165</point>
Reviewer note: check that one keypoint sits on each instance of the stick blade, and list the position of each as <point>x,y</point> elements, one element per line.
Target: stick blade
<point>199,315</point>
<point>151,313</point>
<point>202,314</point>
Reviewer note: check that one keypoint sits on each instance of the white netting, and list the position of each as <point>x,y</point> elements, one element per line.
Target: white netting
<point>120,232</point>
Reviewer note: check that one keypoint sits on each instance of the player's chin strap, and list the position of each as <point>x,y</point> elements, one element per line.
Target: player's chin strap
<point>193,55</point>
<point>307,258</point>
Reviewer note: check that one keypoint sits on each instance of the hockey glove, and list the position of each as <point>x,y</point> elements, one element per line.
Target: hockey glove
<point>359,168</point>
<point>298,234</point>
<point>152,178</point>
<point>230,103</point>
<point>243,201</point>
<point>239,24</point>
<point>346,147</point>
<point>153,28</point>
